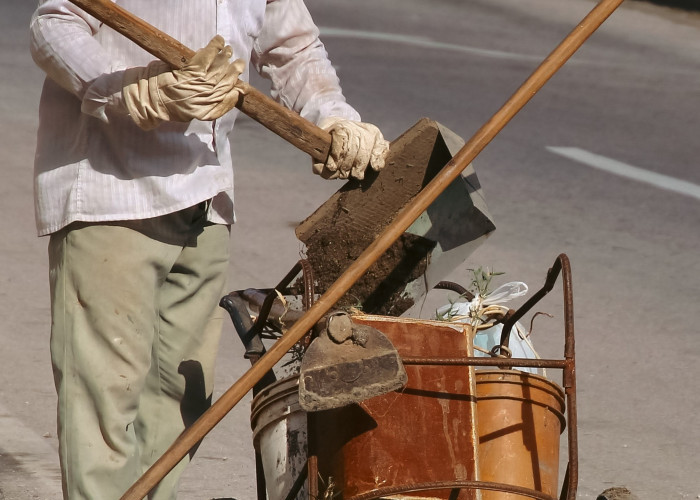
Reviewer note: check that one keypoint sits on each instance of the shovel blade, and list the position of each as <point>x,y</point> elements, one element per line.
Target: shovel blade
<point>441,239</point>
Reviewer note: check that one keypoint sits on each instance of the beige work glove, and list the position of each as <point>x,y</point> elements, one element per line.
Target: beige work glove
<point>203,89</point>
<point>354,147</point>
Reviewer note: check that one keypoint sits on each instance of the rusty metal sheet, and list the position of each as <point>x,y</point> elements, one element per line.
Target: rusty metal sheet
<point>422,434</point>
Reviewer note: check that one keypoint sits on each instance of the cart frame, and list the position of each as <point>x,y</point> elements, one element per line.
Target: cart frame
<point>500,359</point>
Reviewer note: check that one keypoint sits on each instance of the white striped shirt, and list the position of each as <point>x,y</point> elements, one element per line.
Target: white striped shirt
<point>94,164</point>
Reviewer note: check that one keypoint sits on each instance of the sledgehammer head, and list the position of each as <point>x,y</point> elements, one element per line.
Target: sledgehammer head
<point>440,240</point>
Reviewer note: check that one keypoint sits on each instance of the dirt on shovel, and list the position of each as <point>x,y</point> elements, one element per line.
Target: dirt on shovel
<point>339,231</point>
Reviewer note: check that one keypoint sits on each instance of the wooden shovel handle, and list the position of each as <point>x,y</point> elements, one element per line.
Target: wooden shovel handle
<point>282,121</point>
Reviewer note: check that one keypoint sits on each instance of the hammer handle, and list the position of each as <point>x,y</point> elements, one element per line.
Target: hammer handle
<point>282,121</point>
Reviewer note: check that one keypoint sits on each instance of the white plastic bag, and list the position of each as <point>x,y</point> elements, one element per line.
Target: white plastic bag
<point>473,312</point>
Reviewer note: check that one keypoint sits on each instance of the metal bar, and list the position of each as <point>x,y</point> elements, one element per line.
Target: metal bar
<point>272,295</point>
<point>499,362</point>
<point>450,485</point>
<point>309,296</point>
<point>312,456</point>
<point>570,379</point>
<point>513,318</point>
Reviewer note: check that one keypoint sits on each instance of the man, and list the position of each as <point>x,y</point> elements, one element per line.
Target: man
<point>134,185</point>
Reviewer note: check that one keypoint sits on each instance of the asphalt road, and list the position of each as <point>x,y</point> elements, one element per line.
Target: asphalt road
<point>601,165</point>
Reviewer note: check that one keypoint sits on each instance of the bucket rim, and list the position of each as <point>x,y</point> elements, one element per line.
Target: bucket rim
<point>286,387</point>
<point>485,374</point>
<point>542,384</point>
<point>265,392</point>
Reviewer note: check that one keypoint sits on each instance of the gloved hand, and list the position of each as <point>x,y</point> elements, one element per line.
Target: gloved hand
<point>202,90</point>
<point>354,146</point>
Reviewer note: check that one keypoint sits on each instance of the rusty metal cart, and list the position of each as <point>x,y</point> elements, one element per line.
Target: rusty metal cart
<point>502,437</point>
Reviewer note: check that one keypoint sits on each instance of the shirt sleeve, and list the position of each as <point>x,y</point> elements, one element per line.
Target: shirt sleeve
<point>289,52</point>
<point>62,44</point>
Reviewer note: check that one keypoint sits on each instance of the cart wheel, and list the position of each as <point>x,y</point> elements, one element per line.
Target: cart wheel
<point>617,493</point>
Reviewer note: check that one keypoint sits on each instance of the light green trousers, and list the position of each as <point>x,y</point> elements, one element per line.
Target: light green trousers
<point>135,329</point>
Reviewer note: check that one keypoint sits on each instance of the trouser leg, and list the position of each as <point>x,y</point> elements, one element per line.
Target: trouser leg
<point>180,383</point>
<point>108,285</point>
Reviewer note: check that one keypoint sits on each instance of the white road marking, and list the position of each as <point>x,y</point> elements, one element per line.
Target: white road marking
<point>425,43</point>
<point>630,172</point>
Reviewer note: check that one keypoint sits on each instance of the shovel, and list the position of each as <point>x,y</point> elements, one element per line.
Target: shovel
<point>175,53</point>
<point>444,235</point>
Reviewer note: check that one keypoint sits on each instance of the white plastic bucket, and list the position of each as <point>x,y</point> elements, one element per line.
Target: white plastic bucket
<point>279,435</point>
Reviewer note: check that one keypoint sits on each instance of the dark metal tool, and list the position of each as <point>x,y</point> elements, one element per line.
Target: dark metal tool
<point>245,328</point>
<point>348,363</point>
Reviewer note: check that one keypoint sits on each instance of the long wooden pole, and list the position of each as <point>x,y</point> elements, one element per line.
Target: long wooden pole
<point>404,219</point>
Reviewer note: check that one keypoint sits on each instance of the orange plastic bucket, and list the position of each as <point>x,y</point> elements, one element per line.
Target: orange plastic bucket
<point>520,419</point>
